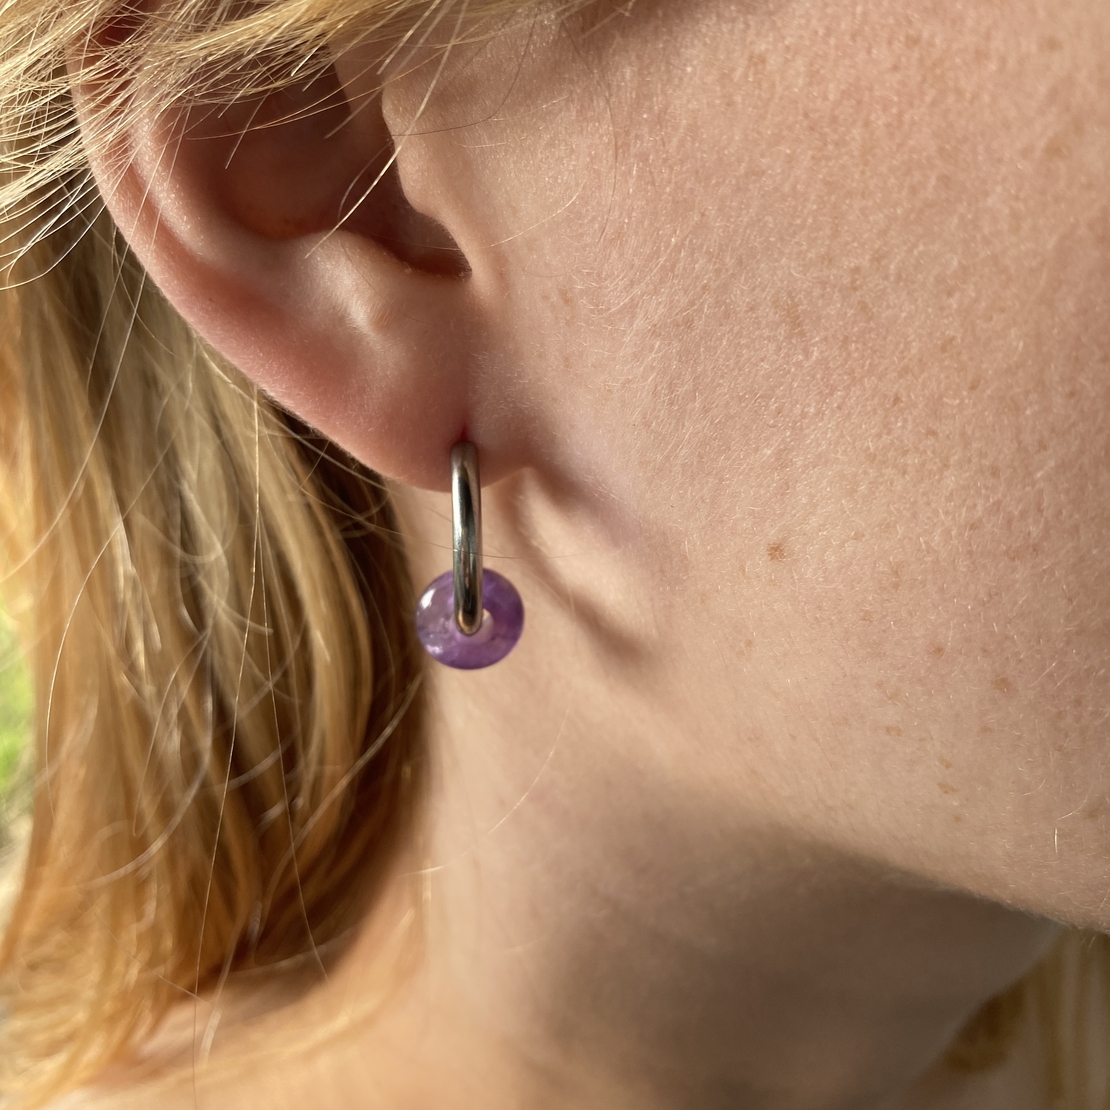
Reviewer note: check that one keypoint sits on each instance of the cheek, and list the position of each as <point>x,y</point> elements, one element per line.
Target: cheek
<point>958,426</point>
<point>829,317</point>
<point>956,469</point>
<point>952,485</point>
<point>872,333</point>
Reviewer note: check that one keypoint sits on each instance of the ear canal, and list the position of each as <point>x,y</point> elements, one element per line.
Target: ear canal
<point>303,160</point>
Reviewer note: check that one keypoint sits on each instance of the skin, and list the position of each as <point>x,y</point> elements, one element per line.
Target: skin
<point>784,338</point>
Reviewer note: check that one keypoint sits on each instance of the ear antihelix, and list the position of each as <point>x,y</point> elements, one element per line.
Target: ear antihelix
<point>302,161</point>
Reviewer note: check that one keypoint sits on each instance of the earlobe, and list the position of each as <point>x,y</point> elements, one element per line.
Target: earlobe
<point>280,229</point>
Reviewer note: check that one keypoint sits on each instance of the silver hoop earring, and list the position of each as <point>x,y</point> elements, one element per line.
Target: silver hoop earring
<point>470,617</point>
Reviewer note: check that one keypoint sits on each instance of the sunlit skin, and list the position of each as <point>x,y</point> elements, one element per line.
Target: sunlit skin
<point>783,332</point>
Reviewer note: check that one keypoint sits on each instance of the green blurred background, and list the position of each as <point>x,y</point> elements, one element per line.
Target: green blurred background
<point>15,723</point>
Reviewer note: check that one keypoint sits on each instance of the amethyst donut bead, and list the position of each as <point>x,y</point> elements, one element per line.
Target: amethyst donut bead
<point>502,623</point>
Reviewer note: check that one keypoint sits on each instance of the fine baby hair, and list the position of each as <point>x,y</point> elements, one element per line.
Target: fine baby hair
<point>259,308</point>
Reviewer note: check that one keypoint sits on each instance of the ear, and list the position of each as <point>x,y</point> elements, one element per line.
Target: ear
<point>280,229</point>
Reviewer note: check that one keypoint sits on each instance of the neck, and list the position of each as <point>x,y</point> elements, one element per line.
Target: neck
<point>671,962</point>
<point>614,914</point>
<point>605,930</point>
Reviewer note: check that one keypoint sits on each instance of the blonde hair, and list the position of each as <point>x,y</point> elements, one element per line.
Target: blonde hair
<point>228,725</point>
<point>228,722</point>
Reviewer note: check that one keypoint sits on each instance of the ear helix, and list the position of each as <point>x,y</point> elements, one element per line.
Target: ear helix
<point>468,618</point>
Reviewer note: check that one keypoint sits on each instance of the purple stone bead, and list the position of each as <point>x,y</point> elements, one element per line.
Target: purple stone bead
<point>502,623</point>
